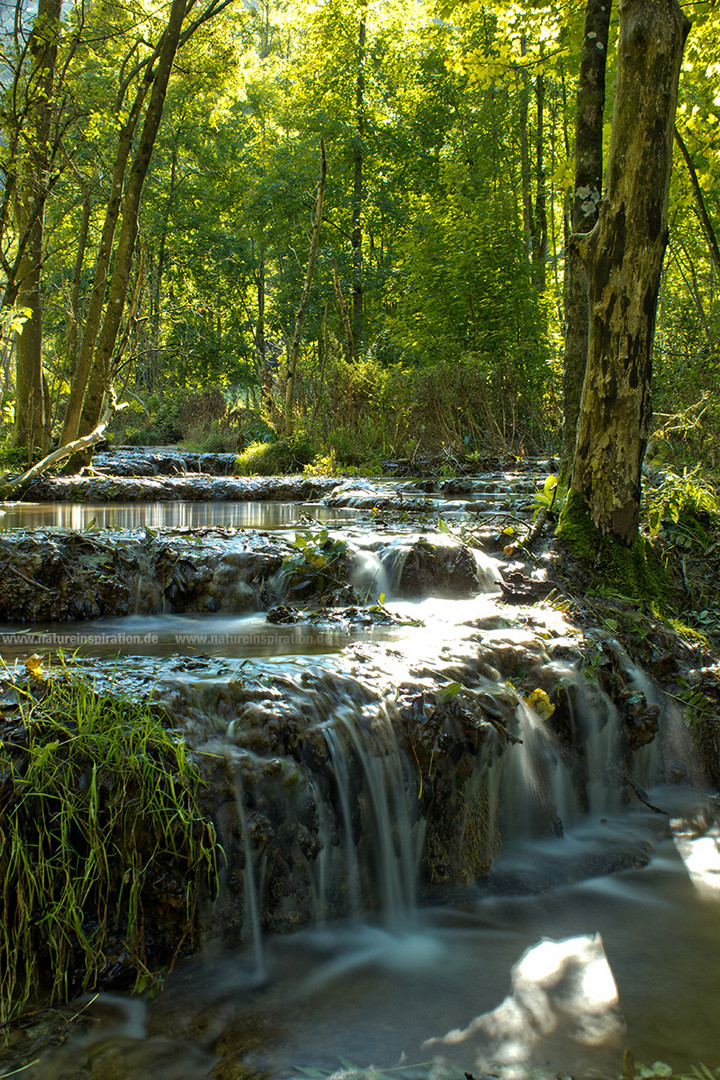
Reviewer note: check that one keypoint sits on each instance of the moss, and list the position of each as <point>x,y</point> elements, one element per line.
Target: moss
<point>694,637</point>
<point>463,843</point>
<point>632,571</point>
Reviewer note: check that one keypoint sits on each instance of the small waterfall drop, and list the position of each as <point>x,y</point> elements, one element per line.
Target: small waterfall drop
<point>253,925</point>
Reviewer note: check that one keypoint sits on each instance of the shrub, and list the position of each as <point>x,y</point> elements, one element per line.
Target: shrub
<point>275,458</point>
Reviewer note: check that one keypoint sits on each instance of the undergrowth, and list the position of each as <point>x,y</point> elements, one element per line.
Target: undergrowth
<point>275,458</point>
<point>103,848</point>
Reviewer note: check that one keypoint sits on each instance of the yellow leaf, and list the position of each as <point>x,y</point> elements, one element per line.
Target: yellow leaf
<point>33,665</point>
<point>540,703</point>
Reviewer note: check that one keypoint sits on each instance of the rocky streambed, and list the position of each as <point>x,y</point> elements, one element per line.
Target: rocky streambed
<point>384,713</point>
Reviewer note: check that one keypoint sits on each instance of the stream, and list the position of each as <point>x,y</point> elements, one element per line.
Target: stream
<point>406,768</point>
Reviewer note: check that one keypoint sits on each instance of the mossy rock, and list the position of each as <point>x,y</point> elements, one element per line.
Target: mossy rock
<point>635,571</point>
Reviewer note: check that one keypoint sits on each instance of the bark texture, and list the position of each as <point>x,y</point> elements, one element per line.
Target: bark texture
<point>31,408</point>
<point>623,257</point>
<point>93,316</point>
<point>586,202</point>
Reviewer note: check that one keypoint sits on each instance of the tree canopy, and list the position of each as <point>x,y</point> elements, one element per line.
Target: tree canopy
<point>160,166</point>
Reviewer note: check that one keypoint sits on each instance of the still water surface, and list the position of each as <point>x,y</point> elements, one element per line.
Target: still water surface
<point>176,515</point>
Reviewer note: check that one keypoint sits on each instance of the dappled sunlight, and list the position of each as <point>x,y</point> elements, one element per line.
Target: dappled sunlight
<point>701,856</point>
<point>562,992</point>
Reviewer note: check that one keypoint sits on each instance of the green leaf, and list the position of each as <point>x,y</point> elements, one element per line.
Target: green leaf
<point>446,692</point>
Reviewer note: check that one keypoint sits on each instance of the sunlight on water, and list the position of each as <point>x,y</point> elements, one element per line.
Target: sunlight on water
<point>561,991</point>
<point>701,856</point>
<point>172,514</point>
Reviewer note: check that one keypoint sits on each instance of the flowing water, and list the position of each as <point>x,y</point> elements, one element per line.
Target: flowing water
<point>476,887</point>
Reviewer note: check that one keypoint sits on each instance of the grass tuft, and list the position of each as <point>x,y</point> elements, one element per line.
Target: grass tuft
<point>103,848</point>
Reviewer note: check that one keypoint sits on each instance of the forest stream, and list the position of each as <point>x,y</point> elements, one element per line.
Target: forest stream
<point>462,834</point>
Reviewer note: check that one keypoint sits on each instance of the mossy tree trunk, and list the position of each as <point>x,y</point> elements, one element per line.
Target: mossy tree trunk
<point>623,258</point>
<point>586,202</point>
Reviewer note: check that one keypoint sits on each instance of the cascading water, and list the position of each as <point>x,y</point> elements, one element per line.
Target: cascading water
<point>353,789</point>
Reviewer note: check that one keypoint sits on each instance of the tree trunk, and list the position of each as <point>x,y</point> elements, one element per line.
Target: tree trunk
<point>31,398</point>
<point>702,212</point>
<point>525,171</point>
<point>162,251</point>
<point>357,199</point>
<point>295,347</point>
<point>539,222</point>
<point>93,316</point>
<point>623,258</point>
<point>588,190</point>
<point>343,311</point>
<point>74,313</point>
<point>117,291</point>
<point>260,342</point>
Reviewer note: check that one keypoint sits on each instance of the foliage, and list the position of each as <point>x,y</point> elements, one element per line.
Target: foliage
<point>322,465</point>
<point>288,455</point>
<point>465,127</point>
<point>550,497</point>
<point>104,848</point>
<point>660,1070</point>
<point>319,559</point>
<point>685,508</point>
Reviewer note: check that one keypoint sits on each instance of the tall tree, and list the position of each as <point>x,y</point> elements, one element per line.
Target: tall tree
<point>356,238</point>
<point>106,335</point>
<point>586,203</point>
<point>31,404</point>
<point>623,258</point>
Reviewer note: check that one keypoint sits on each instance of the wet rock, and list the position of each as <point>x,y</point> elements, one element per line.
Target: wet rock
<point>437,569</point>
<point>157,488</point>
<point>62,576</point>
<point>641,720</point>
<point>517,588</point>
<point>69,576</point>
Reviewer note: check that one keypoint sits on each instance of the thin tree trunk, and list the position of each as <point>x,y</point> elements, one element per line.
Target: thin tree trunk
<point>588,191</point>
<point>357,199</point>
<point>118,288</point>
<point>295,347</point>
<point>93,316</point>
<point>260,342</point>
<point>343,311</point>
<point>525,168</point>
<point>74,321</point>
<point>162,250</point>
<point>539,223</point>
<point>63,452</point>
<point>623,258</point>
<point>700,203</point>
<point>31,405</point>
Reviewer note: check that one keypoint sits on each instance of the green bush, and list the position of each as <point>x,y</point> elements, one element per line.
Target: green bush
<point>275,458</point>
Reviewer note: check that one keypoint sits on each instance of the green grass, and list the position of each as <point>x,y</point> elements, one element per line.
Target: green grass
<point>103,848</point>
<point>275,458</point>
